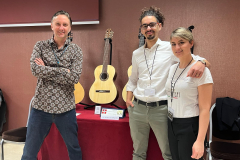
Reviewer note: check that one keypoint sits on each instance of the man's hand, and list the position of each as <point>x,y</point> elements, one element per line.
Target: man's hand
<point>39,62</point>
<point>129,103</point>
<point>196,70</point>
<point>129,99</point>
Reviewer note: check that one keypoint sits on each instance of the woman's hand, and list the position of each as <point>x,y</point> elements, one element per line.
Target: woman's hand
<point>197,150</point>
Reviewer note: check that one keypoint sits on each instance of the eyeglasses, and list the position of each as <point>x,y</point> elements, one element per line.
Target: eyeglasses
<point>151,25</point>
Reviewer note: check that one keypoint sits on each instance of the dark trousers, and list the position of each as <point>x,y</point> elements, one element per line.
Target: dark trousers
<point>182,133</point>
<point>39,126</point>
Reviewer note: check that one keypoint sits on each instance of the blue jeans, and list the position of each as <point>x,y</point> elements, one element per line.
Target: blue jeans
<point>39,126</point>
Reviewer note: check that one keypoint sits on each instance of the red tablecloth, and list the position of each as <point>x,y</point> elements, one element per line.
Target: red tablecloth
<point>98,139</point>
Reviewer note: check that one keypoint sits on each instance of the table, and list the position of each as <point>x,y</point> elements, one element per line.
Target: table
<point>98,139</point>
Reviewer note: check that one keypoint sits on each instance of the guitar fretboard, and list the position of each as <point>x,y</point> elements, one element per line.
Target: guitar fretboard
<point>105,57</point>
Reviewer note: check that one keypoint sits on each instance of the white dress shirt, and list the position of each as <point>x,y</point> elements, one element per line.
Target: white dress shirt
<point>160,65</point>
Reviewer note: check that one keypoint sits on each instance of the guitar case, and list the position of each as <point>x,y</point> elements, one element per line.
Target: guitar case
<point>190,29</point>
<point>3,109</point>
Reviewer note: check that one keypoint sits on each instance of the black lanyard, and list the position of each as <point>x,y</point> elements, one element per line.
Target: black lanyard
<point>150,73</point>
<point>60,55</point>
<point>173,85</point>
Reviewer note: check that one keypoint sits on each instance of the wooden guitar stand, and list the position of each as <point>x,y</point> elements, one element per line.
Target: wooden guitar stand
<point>89,106</point>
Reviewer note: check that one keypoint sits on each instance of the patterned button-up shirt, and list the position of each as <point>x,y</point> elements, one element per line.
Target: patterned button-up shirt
<point>55,85</point>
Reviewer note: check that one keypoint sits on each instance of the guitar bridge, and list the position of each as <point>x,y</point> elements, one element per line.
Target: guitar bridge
<point>103,91</point>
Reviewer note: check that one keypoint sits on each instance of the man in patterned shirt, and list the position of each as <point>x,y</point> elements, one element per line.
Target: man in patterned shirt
<point>57,63</point>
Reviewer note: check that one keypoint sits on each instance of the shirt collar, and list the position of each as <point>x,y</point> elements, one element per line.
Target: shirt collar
<point>67,42</point>
<point>158,43</point>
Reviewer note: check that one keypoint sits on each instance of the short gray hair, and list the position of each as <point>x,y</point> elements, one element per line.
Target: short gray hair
<point>62,13</point>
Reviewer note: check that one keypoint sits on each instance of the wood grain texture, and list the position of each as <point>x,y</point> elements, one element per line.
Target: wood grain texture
<point>78,93</point>
<point>124,91</point>
<point>103,98</point>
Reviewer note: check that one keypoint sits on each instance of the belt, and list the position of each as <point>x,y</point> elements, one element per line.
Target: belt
<point>152,104</point>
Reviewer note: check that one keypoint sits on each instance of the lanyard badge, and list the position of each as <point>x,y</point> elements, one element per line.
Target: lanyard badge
<point>170,109</point>
<point>170,113</point>
<point>150,91</point>
<point>56,55</point>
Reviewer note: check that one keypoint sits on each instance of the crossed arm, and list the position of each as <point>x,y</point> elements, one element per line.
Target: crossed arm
<point>59,75</point>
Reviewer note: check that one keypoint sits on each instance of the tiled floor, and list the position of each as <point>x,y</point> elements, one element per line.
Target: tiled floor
<point>12,151</point>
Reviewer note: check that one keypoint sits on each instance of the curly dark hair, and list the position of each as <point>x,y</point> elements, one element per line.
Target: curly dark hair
<point>152,11</point>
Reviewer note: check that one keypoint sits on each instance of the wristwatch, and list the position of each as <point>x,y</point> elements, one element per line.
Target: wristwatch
<point>203,62</point>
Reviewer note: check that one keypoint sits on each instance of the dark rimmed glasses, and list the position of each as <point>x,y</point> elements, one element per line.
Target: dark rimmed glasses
<point>151,25</point>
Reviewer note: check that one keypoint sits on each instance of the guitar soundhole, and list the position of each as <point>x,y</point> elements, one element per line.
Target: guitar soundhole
<point>104,76</point>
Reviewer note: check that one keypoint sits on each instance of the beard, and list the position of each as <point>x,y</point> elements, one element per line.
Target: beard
<point>150,37</point>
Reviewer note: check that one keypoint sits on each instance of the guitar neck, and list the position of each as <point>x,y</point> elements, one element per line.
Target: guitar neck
<point>105,57</point>
<point>141,41</point>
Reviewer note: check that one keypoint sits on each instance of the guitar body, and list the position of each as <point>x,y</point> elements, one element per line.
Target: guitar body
<point>78,89</point>
<point>103,91</point>
<point>124,92</point>
<point>78,92</point>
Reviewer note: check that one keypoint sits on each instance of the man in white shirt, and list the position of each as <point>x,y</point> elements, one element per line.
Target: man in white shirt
<point>150,67</point>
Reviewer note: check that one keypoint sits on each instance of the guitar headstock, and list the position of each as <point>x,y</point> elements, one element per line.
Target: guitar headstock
<point>109,33</point>
<point>70,36</point>
<point>141,38</point>
<point>140,34</point>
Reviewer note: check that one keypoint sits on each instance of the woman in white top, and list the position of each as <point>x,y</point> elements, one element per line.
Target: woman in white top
<point>189,101</point>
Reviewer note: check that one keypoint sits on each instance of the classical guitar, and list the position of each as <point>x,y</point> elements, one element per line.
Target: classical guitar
<point>78,88</point>
<point>78,93</point>
<point>141,43</point>
<point>103,90</point>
